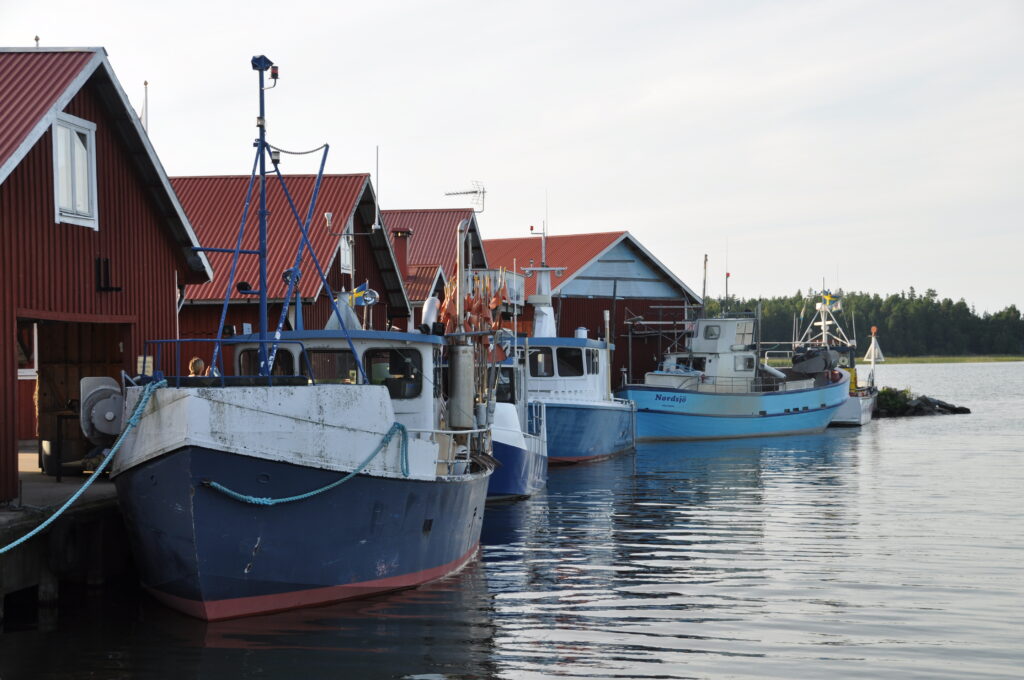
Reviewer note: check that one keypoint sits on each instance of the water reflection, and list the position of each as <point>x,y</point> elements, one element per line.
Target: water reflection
<point>442,630</point>
<point>641,566</point>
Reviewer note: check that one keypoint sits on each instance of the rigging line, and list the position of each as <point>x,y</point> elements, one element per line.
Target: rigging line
<point>303,230</point>
<point>295,153</point>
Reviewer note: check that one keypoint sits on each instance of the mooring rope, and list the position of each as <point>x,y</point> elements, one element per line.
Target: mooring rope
<point>254,500</point>
<point>132,422</point>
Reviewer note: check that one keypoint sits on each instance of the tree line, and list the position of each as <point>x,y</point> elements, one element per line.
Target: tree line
<point>908,324</point>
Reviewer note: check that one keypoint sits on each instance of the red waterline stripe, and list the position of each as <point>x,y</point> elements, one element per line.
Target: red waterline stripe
<point>216,610</point>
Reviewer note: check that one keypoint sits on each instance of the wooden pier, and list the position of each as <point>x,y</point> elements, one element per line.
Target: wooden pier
<point>86,544</point>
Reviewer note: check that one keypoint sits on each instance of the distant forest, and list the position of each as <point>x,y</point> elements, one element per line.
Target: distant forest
<point>908,324</point>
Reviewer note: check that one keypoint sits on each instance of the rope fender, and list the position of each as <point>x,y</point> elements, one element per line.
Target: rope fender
<point>398,428</point>
<point>132,422</point>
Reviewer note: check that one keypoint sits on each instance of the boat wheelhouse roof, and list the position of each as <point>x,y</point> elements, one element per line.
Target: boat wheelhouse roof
<point>564,342</point>
<point>310,335</point>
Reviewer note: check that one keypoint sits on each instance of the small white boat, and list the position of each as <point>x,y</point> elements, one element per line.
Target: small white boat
<point>825,333</point>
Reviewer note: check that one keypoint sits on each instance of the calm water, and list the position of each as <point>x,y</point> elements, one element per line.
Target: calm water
<point>894,551</point>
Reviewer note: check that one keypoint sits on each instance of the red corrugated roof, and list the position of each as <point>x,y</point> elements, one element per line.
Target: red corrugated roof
<point>572,251</point>
<point>214,207</point>
<point>434,233</point>
<point>419,281</point>
<point>33,82</point>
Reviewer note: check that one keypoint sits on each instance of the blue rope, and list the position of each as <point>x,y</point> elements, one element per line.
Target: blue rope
<point>132,422</point>
<point>254,500</point>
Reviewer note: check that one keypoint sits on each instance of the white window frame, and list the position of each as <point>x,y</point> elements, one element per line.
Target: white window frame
<point>91,219</point>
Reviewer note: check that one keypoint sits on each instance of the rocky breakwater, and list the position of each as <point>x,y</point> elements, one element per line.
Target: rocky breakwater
<point>894,403</point>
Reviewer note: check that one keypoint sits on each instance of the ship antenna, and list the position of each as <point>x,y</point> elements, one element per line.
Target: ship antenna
<point>478,192</point>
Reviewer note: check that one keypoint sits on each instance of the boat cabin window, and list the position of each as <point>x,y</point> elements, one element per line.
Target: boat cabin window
<point>329,365</point>
<point>698,363</point>
<point>712,332</point>
<point>743,362</point>
<point>593,362</point>
<point>745,333</point>
<point>505,387</point>
<point>400,370</point>
<point>541,363</point>
<point>570,362</point>
<point>249,362</point>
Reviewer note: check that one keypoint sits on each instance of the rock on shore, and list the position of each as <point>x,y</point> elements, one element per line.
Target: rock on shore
<point>894,403</point>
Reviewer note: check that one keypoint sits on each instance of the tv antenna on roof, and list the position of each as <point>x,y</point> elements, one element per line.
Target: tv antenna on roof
<point>478,192</point>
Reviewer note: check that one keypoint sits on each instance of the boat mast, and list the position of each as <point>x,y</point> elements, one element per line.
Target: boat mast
<point>262,64</point>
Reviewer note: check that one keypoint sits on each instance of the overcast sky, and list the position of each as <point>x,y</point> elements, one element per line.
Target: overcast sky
<point>875,145</point>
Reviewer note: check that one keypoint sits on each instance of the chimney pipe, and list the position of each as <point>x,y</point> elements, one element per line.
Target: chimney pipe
<point>400,242</point>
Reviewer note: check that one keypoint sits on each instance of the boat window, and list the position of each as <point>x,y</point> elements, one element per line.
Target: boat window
<point>504,385</point>
<point>712,332</point>
<point>745,333</point>
<point>249,362</point>
<point>400,370</point>
<point>541,363</point>
<point>570,362</point>
<point>330,365</point>
<point>698,363</point>
<point>743,362</point>
<point>593,362</point>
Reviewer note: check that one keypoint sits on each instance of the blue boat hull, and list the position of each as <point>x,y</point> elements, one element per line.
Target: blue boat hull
<point>519,473</point>
<point>672,415</point>
<point>585,432</point>
<point>214,557</point>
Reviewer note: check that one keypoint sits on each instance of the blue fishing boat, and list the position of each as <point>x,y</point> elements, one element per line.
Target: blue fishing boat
<point>717,388</point>
<point>312,466</point>
<point>572,377</point>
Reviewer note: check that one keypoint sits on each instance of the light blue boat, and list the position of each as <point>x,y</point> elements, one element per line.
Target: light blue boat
<point>718,389</point>
<point>585,422</point>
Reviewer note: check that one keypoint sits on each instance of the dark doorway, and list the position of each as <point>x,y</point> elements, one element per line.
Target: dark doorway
<point>66,353</point>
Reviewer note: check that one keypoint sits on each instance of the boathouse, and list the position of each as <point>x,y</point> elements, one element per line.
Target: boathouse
<point>347,240</point>
<point>95,244</point>
<point>648,304</point>
<point>425,243</point>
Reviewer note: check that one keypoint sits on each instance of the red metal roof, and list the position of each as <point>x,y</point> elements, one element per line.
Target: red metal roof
<point>419,282</point>
<point>434,233</point>
<point>214,207</point>
<point>34,80</point>
<point>572,251</point>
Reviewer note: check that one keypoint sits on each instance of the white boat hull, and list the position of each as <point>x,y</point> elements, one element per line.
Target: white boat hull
<point>855,412</point>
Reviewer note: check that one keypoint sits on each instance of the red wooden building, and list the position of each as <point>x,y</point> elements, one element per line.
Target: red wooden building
<point>349,248</point>
<point>93,240</point>
<point>425,243</point>
<point>611,271</point>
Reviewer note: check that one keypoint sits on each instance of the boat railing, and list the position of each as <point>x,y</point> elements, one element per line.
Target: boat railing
<point>535,415</point>
<point>455,458</point>
<point>734,385</point>
<point>625,402</point>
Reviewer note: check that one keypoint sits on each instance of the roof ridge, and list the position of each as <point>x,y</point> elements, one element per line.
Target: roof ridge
<point>393,210</point>
<point>303,174</point>
<point>52,49</point>
<point>586,233</point>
